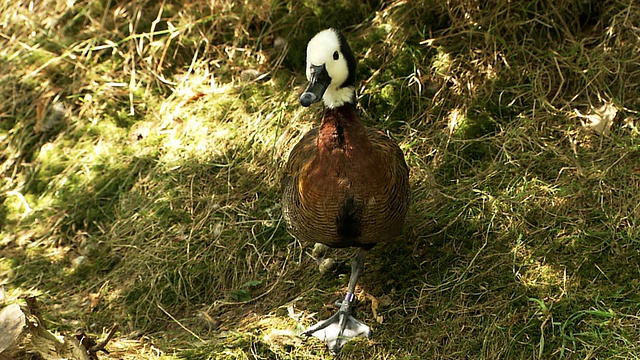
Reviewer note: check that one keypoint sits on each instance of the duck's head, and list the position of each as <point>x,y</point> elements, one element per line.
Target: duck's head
<point>331,70</point>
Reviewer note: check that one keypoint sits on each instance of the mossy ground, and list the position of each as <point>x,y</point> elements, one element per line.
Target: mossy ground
<point>142,143</point>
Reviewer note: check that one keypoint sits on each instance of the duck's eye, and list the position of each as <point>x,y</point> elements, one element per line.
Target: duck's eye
<point>336,56</point>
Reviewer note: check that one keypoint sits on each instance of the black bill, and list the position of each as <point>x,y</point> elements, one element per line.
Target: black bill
<point>320,80</point>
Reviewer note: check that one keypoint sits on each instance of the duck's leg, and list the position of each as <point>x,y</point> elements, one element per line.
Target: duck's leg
<point>339,328</point>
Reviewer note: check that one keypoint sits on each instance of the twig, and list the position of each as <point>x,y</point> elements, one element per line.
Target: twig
<point>180,324</point>
<point>100,346</point>
<point>33,309</point>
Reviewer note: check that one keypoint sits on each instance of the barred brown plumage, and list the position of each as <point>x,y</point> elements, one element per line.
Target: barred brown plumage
<point>321,176</point>
<point>344,184</point>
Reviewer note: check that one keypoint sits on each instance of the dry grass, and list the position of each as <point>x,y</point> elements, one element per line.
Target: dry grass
<point>143,145</point>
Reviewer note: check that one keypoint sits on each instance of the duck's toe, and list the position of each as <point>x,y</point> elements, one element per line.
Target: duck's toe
<point>332,332</point>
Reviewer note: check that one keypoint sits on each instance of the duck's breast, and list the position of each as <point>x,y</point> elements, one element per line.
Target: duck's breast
<point>354,194</point>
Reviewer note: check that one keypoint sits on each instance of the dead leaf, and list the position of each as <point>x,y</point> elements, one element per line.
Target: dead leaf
<point>213,323</point>
<point>50,111</point>
<point>42,104</point>
<point>374,308</point>
<point>195,97</point>
<point>94,301</point>
<point>600,119</point>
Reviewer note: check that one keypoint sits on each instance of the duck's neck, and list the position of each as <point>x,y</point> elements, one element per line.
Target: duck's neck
<point>337,97</point>
<point>341,128</point>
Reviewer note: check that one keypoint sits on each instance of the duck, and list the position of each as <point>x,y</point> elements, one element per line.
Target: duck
<point>344,184</point>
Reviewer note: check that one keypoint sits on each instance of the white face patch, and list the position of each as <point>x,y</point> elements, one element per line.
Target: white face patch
<point>324,48</point>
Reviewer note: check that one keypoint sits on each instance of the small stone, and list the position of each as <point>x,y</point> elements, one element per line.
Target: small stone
<point>79,260</point>
<point>327,265</point>
<point>280,43</point>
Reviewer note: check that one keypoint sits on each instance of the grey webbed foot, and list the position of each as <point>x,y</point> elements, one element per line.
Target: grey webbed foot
<point>338,329</point>
<point>341,327</point>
